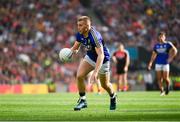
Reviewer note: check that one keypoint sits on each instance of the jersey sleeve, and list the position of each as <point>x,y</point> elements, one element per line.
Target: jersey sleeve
<point>154,49</point>
<point>169,45</point>
<point>114,54</point>
<point>96,38</point>
<point>127,53</point>
<point>78,37</point>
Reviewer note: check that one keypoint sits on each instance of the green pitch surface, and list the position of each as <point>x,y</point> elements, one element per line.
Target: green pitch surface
<point>130,106</point>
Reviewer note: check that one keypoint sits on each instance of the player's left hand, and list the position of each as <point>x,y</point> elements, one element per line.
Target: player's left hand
<point>94,77</point>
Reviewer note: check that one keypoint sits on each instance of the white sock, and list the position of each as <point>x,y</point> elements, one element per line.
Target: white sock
<point>113,96</point>
<point>83,97</point>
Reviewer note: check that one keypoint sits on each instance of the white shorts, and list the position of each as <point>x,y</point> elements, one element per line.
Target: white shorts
<point>105,68</point>
<point>162,67</point>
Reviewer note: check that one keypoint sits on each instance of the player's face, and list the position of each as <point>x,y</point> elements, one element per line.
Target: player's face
<point>82,27</point>
<point>162,37</point>
<point>121,47</point>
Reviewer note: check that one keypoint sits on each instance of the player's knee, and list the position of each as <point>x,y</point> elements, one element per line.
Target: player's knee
<point>105,85</point>
<point>79,77</point>
<point>167,79</point>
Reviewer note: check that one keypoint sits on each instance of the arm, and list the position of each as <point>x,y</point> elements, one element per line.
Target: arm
<point>99,62</point>
<point>100,58</point>
<point>75,47</point>
<point>154,54</point>
<point>114,59</point>
<point>172,53</point>
<point>127,61</point>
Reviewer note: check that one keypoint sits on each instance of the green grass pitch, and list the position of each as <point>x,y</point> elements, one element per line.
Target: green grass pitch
<point>138,106</point>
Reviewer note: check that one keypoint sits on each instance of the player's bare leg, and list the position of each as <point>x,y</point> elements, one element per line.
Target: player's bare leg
<point>160,82</point>
<point>166,78</point>
<point>105,83</point>
<point>83,70</point>
<point>125,85</point>
<point>98,86</point>
<point>104,79</point>
<point>119,83</point>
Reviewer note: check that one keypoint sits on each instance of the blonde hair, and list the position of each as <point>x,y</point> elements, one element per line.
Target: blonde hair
<point>84,18</point>
<point>161,33</point>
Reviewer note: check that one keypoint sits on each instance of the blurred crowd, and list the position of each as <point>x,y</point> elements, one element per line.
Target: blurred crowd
<point>137,22</point>
<point>31,34</point>
<point>33,31</point>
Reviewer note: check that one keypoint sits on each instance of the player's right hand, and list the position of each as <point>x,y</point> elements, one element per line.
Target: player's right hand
<point>94,77</point>
<point>75,51</point>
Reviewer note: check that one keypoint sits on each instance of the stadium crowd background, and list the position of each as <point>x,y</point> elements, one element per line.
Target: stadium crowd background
<point>33,31</point>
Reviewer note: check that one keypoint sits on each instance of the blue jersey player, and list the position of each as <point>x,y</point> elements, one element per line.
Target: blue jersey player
<point>97,59</point>
<point>163,53</point>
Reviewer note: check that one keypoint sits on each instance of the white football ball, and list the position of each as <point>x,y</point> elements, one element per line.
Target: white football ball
<point>65,54</point>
